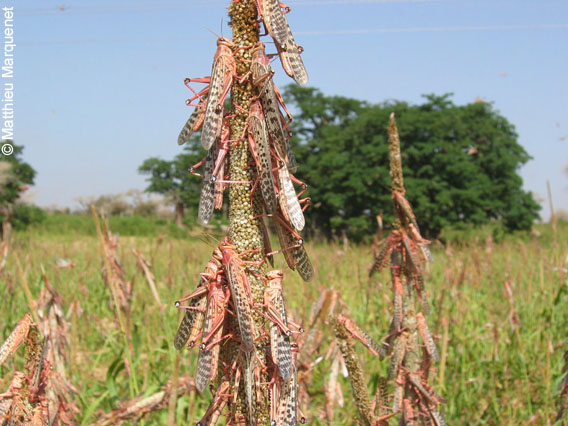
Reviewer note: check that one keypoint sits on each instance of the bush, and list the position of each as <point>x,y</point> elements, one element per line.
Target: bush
<point>26,214</point>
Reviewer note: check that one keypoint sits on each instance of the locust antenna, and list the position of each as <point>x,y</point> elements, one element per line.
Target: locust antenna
<point>208,239</point>
<point>211,31</point>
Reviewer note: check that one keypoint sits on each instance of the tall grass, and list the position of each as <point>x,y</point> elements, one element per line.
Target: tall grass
<point>493,371</point>
<point>82,224</point>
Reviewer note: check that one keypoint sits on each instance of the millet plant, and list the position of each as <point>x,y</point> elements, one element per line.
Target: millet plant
<point>406,253</point>
<point>411,362</point>
<point>237,312</point>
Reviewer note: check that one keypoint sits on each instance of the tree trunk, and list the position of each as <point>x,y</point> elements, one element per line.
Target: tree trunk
<point>6,223</point>
<point>344,239</point>
<point>179,214</point>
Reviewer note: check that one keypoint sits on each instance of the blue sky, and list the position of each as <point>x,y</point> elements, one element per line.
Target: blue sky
<point>99,84</point>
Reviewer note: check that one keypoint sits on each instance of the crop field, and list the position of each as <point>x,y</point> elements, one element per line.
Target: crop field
<point>498,316</point>
<point>348,231</point>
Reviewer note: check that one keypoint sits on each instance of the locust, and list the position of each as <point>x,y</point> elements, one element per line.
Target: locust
<point>419,285</point>
<point>213,286</point>
<point>290,157</point>
<point>363,337</point>
<point>399,351</point>
<point>288,402</point>
<point>217,404</point>
<point>222,74</point>
<point>437,417</point>
<point>223,149</point>
<point>6,398</point>
<point>27,389</point>
<point>408,412</point>
<point>258,137</point>
<point>386,248</point>
<point>212,333</point>
<point>292,63</point>
<point>279,332</point>
<point>189,318</point>
<point>219,188</point>
<point>206,198</point>
<point>16,338</point>
<point>287,241</point>
<point>398,292</point>
<point>194,122</point>
<point>270,98</point>
<point>277,25</point>
<point>238,282</point>
<point>192,323</point>
<point>211,196</point>
<point>427,336</point>
<point>303,264</point>
<point>220,164</point>
<point>380,400</point>
<point>248,367</point>
<point>275,21</point>
<point>398,392</point>
<point>293,249</point>
<point>409,252</point>
<point>288,199</point>
<point>403,204</point>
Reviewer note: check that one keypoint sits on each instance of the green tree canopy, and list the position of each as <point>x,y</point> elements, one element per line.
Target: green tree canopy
<point>172,178</point>
<point>460,162</point>
<point>15,176</point>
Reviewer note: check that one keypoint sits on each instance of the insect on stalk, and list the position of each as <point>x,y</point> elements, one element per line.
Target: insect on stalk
<point>279,339</point>
<point>292,62</point>
<point>277,25</point>
<point>217,404</point>
<point>364,338</point>
<point>288,402</point>
<point>230,313</point>
<point>212,331</point>
<point>293,249</point>
<point>289,202</point>
<point>186,325</point>
<point>222,74</point>
<point>15,338</point>
<point>194,122</point>
<point>192,323</point>
<point>206,199</point>
<point>258,137</point>
<point>270,98</point>
<point>238,282</point>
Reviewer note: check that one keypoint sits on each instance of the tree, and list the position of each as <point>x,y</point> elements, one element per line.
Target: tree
<point>460,162</point>
<point>15,176</point>
<point>173,180</point>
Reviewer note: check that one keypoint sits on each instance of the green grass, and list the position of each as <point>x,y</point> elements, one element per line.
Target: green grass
<point>493,374</point>
<point>78,225</point>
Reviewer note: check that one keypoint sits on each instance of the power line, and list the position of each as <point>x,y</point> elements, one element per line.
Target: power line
<point>316,33</point>
<point>331,2</point>
<point>161,6</point>
<point>435,29</point>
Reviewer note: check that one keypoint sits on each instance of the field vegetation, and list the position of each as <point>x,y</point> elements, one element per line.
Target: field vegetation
<point>498,316</point>
<point>89,303</point>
